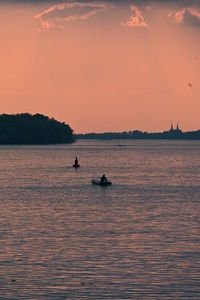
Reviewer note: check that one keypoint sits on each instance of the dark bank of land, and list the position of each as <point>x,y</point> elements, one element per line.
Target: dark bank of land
<point>33,129</point>
<point>172,134</point>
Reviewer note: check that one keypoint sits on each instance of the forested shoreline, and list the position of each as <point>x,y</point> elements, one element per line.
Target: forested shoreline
<point>30,129</point>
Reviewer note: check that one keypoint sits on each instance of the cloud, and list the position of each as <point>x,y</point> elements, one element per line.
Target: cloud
<point>148,7</point>
<point>136,19</point>
<point>188,16</point>
<point>118,1</point>
<point>181,3</point>
<point>56,15</point>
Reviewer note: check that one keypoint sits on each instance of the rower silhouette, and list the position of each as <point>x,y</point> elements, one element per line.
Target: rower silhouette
<point>104,179</point>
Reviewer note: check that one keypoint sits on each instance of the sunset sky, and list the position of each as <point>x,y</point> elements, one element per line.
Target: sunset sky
<point>102,66</point>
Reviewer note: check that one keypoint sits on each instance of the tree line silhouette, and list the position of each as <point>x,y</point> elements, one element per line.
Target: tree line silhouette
<point>139,135</point>
<point>33,129</point>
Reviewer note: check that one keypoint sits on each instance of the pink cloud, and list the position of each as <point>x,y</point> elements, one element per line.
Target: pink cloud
<point>136,19</point>
<point>188,16</point>
<point>56,15</point>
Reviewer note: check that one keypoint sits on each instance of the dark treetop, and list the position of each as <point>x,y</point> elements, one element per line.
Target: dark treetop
<point>33,129</point>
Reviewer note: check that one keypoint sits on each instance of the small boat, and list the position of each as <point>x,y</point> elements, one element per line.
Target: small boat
<point>98,182</point>
<point>76,164</point>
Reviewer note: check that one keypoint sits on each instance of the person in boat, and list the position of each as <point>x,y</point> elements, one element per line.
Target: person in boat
<point>104,179</point>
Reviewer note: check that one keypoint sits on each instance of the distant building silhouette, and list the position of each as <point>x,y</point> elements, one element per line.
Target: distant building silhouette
<point>175,131</point>
<point>178,129</point>
<point>170,134</point>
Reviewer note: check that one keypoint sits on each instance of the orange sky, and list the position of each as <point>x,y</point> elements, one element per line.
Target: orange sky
<point>106,67</point>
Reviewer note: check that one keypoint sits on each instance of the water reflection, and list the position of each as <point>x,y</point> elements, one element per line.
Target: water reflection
<point>62,238</point>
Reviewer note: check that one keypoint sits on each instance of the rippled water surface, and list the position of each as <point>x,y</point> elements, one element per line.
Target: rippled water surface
<point>62,238</point>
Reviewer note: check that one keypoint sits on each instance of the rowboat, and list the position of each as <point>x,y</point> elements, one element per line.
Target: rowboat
<point>99,182</point>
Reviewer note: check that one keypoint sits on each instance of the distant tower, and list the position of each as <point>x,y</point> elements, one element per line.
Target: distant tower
<point>178,129</point>
<point>172,129</point>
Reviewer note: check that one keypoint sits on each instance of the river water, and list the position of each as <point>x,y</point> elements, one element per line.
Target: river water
<point>63,238</point>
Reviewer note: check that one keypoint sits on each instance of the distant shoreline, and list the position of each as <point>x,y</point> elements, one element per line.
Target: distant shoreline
<point>172,134</point>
